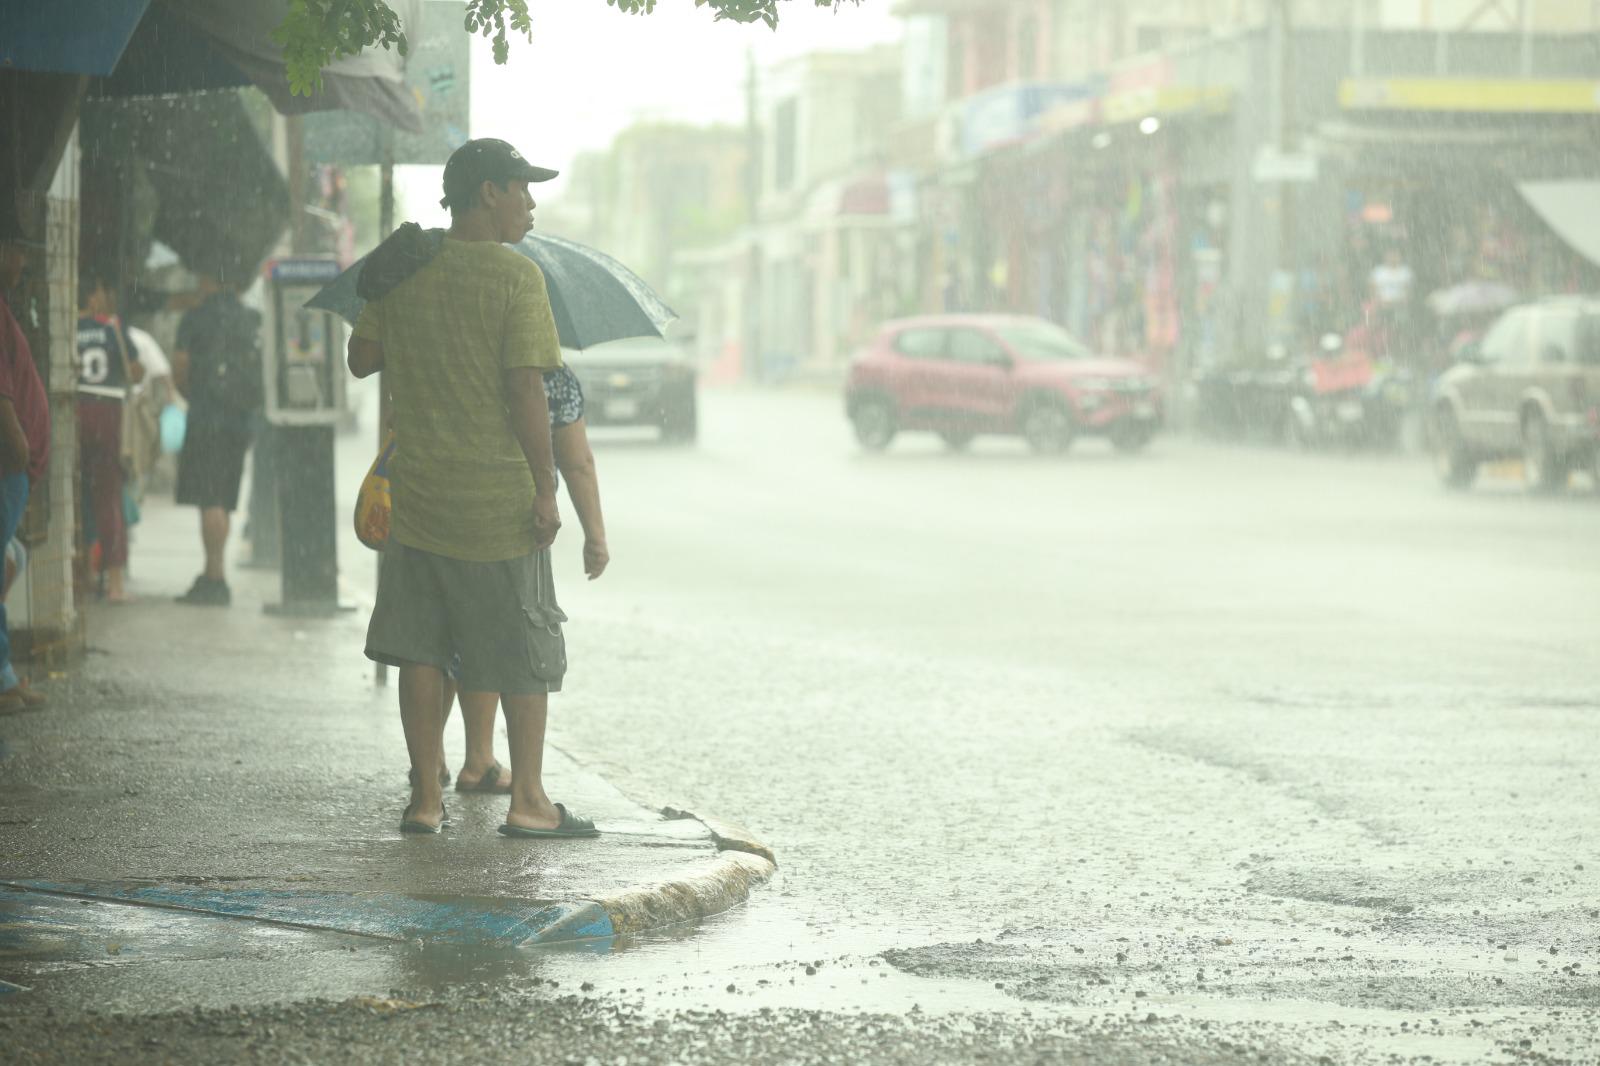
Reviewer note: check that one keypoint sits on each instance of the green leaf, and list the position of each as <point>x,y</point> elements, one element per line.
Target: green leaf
<point>314,33</point>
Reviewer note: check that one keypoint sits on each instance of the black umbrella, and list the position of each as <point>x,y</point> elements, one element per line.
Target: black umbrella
<point>595,298</point>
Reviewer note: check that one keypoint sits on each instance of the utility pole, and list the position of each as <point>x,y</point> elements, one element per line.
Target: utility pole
<point>1286,124</point>
<point>386,183</point>
<point>751,341</point>
<point>1526,9</point>
<point>1279,232</point>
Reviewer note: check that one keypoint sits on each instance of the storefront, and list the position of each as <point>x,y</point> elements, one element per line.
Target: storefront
<point>1428,176</point>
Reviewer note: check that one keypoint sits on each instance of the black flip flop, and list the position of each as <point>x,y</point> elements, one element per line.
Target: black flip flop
<point>489,782</point>
<point>409,824</point>
<point>572,826</point>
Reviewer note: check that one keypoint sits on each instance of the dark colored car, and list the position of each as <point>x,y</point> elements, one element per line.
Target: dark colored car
<point>1529,388</point>
<point>962,375</point>
<point>639,382</point>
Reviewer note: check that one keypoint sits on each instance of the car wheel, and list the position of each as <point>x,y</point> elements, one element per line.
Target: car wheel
<point>1545,471</point>
<point>1451,460</point>
<point>874,422</point>
<point>1047,427</point>
<point>1130,437</point>
<point>957,440</point>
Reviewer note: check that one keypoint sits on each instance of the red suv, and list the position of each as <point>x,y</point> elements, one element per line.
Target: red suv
<point>961,375</point>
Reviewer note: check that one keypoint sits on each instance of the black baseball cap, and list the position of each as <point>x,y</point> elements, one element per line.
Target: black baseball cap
<point>486,159</point>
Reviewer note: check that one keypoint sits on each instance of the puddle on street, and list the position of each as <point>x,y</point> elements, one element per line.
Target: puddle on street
<point>766,955</point>
<point>131,958</point>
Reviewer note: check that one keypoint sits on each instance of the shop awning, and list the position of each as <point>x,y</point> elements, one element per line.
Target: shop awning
<point>145,48</point>
<point>194,174</point>
<point>82,37</point>
<point>1472,95</point>
<point>1571,209</point>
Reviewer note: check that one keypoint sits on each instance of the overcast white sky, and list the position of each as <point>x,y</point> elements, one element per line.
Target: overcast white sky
<point>590,71</point>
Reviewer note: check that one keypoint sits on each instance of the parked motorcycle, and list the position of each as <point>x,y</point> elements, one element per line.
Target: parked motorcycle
<point>1344,398</point>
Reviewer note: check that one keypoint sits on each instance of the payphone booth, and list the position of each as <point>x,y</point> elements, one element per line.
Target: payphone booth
<point>303,368</point>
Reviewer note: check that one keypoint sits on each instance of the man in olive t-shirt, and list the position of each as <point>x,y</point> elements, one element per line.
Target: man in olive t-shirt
<point>463,342</point>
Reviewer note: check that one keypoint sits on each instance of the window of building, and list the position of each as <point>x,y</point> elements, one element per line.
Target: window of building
<point>1027,48</point>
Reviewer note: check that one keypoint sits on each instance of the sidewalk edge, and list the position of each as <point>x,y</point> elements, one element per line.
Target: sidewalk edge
<point>740,864</point>
<point>725,885</point>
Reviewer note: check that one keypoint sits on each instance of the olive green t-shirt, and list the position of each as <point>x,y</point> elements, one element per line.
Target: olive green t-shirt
<point>461,485</point>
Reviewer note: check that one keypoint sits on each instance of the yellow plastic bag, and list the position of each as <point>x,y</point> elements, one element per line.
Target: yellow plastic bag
<point>373,502</point>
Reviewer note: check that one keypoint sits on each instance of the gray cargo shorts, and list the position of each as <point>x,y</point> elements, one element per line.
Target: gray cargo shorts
<point>501,617</point>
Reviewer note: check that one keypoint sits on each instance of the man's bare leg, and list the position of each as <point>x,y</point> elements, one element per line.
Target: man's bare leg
<point>477,716</point>
<point>214,523</point>
<point>422,716</point>
<point>525,721</point>
<point>449,703</point>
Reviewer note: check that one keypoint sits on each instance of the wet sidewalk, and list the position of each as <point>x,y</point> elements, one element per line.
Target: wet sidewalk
<point>231,762</point>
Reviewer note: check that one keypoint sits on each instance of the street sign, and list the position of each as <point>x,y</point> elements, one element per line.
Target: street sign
<point>437,72</point>
<point>304,269</point>
<point>1273,166</point>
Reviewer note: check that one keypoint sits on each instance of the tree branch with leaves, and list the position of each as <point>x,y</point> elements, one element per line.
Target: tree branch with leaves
<point>317,32</point>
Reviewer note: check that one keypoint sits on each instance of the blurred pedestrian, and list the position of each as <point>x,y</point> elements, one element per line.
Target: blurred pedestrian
<point>106,367</point>
<point>141,418</point>
<point>1392,280</point>
<point>217,366</point>
<point>481,771</point>
<point>464,330</point>
<point>1393,289</point>
<point>24,442</point>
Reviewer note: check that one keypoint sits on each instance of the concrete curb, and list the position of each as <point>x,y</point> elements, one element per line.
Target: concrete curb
<point>740,864</point>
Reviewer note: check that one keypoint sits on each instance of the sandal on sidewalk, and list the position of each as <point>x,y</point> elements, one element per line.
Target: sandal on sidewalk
<point>495,779</point>
<point>572,826</point>
<point>408,824</point>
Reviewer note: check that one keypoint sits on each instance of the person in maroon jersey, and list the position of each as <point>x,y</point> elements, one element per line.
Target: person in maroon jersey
<point>106,367</point>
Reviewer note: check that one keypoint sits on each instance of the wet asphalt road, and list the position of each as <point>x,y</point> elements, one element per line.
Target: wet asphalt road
<point>1209,754</point>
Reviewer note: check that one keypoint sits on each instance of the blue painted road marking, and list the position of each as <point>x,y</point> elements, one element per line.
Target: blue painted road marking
<point>462,922</point>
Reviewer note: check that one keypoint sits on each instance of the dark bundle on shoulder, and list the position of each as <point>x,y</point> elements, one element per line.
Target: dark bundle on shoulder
<point>405,251</point>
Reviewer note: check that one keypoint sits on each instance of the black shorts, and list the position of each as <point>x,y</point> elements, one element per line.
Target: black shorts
<point>210,467</point>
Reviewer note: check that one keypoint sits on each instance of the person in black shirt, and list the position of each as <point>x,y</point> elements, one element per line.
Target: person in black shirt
<point>106,366</point>
<point>217,366</point>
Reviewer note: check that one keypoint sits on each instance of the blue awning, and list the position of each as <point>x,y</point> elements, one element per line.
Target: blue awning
<point>67,36</point>
<point>140,48</point>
